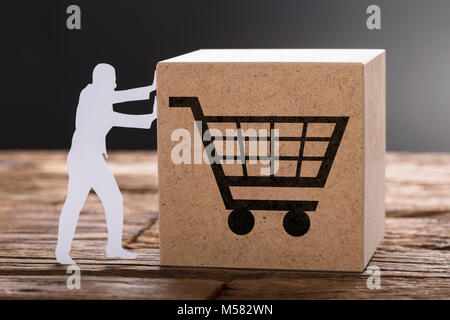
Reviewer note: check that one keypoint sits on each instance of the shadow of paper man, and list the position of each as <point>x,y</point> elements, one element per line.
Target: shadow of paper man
<point>86,160</point>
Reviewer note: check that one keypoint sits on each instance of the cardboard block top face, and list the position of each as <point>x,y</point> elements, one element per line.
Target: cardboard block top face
<point>194,204</point>
<point>279,55</point>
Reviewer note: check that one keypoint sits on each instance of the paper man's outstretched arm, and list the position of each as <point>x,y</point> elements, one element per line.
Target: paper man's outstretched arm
<point>142,93</point>
<point>143,121</point>
<point>133,94</point>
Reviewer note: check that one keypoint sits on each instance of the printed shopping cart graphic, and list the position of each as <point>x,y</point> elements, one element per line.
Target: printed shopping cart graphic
<point>241,221</point>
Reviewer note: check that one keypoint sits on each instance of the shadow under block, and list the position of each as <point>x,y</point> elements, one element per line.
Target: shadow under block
<point>331,106</point>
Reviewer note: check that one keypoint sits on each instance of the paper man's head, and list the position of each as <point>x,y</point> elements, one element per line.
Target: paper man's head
<point>104,76</point>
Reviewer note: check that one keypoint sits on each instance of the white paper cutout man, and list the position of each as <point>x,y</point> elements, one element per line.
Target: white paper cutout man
<point>86,160</point>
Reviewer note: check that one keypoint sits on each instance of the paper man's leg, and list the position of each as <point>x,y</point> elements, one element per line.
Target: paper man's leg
<point>105,186</point>
<point>77,191</point>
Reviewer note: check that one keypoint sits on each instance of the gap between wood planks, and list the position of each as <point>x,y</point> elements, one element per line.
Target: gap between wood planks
<point>135,239</point>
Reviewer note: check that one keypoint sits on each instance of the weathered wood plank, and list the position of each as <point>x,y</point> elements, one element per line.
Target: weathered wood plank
<point>417,184</point>
<point>107,288</point>
<point>413,257</point>
<point>335,288</point>
<point>406,248</point>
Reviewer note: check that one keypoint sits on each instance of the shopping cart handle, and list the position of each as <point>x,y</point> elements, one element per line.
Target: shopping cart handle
<point>183,102</point>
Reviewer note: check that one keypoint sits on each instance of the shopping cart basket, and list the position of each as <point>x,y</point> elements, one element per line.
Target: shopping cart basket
<point>241,221</point>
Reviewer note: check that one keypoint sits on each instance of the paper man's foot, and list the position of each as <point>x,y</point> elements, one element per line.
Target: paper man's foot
<point>64,259</point>
<point>120,253</point>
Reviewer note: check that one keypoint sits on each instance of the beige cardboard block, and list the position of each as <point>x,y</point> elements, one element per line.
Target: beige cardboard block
<point>297,181</point>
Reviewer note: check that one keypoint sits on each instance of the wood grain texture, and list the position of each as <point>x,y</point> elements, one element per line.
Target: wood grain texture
<point>414,256</point>
<point>107,288</point>
<point>417,184</point>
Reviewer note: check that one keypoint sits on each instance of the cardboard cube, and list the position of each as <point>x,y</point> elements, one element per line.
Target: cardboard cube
<point>271,158</point>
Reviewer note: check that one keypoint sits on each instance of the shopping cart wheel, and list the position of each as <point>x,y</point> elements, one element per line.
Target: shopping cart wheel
<point>296,222</point>
<point>241,221</point>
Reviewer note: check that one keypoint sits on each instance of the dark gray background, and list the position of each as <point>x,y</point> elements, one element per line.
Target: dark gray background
<point>47,65</point>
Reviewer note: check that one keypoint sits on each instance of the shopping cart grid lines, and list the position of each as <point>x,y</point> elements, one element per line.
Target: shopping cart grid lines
<point>265,158</point>
<point>332,148</point>
<point>257,138</point>
<point>301,150</point>
<point>272,160</point>
<point>241,149</point>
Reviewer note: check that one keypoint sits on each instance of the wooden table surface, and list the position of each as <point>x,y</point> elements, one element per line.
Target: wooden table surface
<point>414,256</point>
